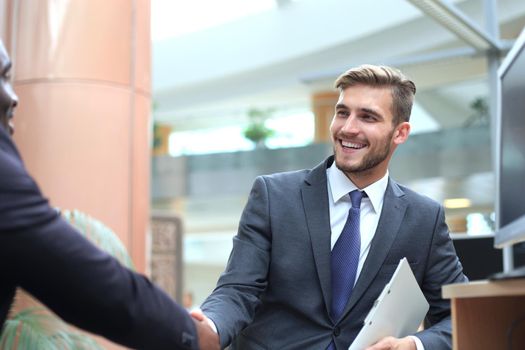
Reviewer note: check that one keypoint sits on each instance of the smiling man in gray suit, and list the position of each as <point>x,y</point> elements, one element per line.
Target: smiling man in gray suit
<point>316,247</point>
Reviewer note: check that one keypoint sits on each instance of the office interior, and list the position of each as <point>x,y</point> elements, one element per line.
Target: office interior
<point>135,111</point>
<point>282,61</point>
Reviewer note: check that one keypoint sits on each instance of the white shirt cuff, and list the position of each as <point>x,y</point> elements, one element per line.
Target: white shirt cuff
<point>208,320</point>
<point>419,344</point>
<point>214,327</point>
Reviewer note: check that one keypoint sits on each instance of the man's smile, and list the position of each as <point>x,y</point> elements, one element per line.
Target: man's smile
<point>352,145</point>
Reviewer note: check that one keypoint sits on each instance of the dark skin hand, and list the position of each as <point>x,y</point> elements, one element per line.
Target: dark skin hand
<point>208,339</point>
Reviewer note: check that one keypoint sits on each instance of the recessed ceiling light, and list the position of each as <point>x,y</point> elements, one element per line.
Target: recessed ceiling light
<point>456,203</point>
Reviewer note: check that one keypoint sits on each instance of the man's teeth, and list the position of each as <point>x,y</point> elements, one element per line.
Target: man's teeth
<point>352,145</point>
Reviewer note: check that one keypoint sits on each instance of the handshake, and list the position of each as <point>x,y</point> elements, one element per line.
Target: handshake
<point>208,338</point>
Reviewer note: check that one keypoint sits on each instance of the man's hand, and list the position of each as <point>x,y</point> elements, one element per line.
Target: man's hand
<point>391,343</point>
<point>208,338</point>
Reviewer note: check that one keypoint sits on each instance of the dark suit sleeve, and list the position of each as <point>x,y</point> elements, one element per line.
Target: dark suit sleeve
<point>233,303</point>
<point>443,267</point>
<point>47,257</point>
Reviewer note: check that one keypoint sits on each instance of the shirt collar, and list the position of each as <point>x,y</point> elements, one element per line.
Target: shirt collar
<point>340,186</point>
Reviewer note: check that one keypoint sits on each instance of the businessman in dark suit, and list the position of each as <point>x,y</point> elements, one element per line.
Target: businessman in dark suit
<point>47,257</point>
<point>315,247</point>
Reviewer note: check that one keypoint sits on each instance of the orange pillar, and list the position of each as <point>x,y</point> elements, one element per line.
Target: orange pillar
<point>82,75</point>
<point>323,104</point>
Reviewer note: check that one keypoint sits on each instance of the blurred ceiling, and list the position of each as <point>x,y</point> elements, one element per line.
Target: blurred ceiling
<point>280,53</point>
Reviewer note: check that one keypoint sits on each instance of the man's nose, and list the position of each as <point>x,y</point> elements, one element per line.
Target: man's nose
<point>351,125</point>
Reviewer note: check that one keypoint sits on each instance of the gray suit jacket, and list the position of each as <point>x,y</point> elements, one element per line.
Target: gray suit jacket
<point>275,292</point>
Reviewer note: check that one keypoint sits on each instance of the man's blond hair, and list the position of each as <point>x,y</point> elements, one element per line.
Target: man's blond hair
<point>403,89</point>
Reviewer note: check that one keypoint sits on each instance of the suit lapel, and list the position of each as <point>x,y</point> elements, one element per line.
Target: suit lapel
<point>394,207</point>
<point>315,202</point>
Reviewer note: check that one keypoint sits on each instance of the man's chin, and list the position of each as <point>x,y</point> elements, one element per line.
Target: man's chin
<point>11,127</point>
<point>346,167</point>
<point>7,124</point>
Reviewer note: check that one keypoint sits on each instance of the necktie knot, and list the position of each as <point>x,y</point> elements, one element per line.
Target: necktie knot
<point>355,197</point>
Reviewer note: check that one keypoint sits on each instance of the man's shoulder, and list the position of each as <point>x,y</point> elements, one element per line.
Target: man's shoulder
<point>12,170</point>
<point>9,161</point>
<point>288,175</point>
<point>298,177</point>
<point>286,180</point>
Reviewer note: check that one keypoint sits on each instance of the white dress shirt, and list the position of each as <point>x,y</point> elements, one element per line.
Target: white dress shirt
<point>339,204</point>
<point>339,186</point>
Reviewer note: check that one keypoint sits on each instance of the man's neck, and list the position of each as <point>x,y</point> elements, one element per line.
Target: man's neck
<point>365,178</point>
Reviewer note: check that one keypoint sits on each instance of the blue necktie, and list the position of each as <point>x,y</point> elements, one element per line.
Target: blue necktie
<point>345,258</point>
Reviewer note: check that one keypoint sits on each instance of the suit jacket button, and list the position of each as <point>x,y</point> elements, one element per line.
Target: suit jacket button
<point>337,331</point>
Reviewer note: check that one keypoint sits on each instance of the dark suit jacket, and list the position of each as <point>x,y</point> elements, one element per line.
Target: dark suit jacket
<point>47,257</point>
<point>275,292</point>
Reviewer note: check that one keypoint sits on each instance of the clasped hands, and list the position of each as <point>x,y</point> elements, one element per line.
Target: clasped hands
<point>208,338</point>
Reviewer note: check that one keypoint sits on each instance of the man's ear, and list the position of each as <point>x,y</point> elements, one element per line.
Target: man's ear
<point>401,133</point>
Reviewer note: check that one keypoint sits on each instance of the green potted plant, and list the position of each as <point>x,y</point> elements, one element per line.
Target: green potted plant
<point>480,113</point>
<point>257,131</point>
<point>37,327</point>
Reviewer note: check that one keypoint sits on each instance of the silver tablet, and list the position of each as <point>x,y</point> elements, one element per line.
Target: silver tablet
<point>398,312</point>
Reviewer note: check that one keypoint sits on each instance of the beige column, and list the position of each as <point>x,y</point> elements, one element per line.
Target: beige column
<point>323,104</point>
<point>82,74</point>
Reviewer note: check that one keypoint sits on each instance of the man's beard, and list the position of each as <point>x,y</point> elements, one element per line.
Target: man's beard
<point>370,160</point>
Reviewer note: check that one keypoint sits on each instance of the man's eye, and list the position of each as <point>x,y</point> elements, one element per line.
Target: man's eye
<point>342,113</point>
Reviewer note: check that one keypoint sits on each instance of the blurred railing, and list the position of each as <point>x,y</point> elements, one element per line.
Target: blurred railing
<point>451,153</point>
